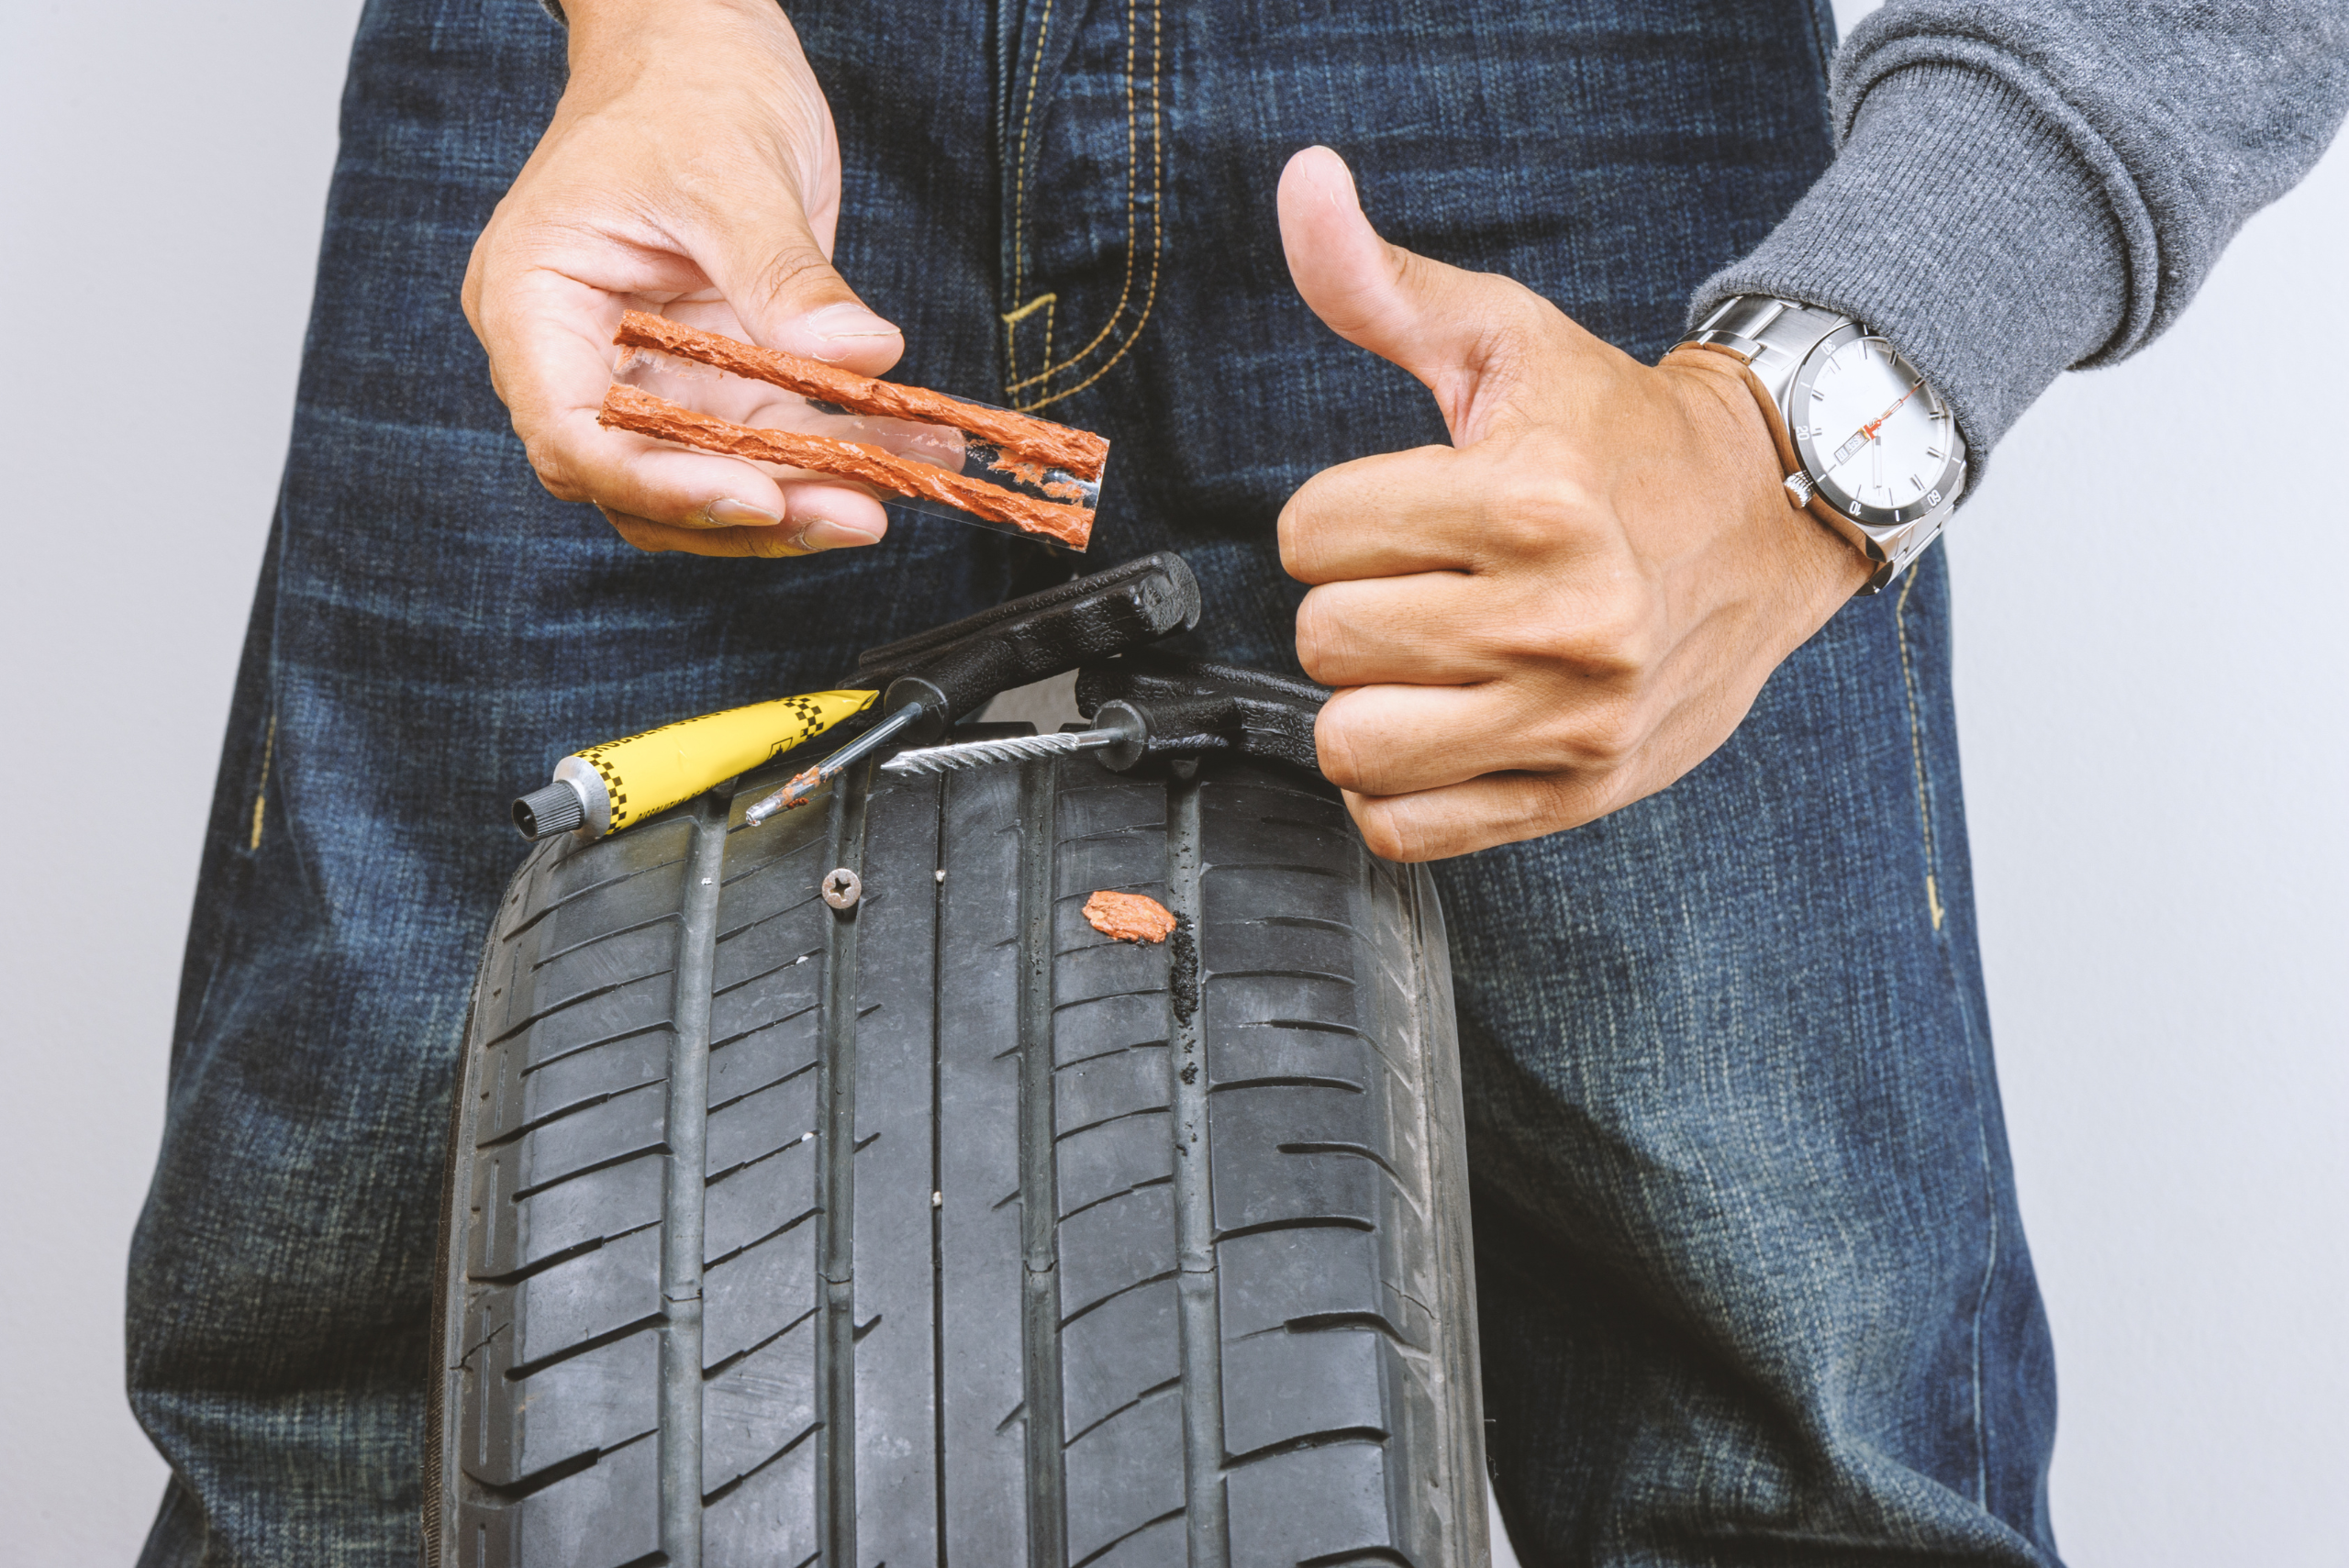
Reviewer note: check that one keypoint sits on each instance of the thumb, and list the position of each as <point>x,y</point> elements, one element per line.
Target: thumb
<point>1450,327</point>
<point>781,284</point>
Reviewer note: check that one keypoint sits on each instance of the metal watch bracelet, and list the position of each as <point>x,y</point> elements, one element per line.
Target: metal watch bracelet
<point>1776,339</point>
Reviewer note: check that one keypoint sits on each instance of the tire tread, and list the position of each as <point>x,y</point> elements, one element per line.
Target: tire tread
<point>961,1231</point>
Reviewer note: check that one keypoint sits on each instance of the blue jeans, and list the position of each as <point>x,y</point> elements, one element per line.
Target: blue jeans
<point>1753,1288</point>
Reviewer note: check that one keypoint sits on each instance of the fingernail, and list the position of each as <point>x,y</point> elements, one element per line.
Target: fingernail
<point>725,510</point>
<point>822,533</point>
<point>839,331</point>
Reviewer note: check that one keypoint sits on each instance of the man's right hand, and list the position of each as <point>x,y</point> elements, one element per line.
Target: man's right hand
<point>691,170</point>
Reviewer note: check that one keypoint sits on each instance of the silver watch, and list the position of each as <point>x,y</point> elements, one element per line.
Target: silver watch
<point>1868,446</point>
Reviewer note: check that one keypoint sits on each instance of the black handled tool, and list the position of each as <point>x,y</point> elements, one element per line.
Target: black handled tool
<point>930,681</point>
<point>1152,707</point>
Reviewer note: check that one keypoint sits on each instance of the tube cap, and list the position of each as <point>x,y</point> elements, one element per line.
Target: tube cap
<point>557,808</point>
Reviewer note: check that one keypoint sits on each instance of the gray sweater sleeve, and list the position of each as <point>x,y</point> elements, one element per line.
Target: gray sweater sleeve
<point>2030,186</point>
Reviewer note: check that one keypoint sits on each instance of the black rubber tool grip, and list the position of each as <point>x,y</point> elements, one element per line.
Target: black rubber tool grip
<point>956,668</point>
<point>1189,707</point>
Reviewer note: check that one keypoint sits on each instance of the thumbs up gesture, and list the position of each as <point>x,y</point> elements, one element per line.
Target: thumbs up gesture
<point>1569,607</point>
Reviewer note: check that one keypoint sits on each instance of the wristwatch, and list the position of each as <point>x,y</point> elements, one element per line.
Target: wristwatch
<point>1868,446</point>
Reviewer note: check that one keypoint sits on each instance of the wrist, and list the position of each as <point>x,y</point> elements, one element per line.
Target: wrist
<point>1868,445</point>
<point>633,32</point>
<point>1724,397</point>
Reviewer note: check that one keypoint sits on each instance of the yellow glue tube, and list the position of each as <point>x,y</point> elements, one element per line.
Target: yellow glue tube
<point>604,788</point>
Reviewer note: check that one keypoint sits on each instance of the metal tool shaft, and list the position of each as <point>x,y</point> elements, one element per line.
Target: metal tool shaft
<point>802,785</point>
<point>986,753</point>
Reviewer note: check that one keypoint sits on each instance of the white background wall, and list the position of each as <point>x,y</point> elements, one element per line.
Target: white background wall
<point>2151,676</point>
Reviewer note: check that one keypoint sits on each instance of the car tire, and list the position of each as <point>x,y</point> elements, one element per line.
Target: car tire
<point>940,1226</point>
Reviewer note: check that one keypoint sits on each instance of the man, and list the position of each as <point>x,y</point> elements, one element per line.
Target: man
<point>1752,1280</point>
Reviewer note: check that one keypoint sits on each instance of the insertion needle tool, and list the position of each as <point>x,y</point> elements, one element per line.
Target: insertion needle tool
<point>796,790</point>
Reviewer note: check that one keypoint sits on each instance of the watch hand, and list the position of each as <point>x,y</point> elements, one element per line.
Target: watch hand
<point>1873,426</point>
<point>1867,432</point>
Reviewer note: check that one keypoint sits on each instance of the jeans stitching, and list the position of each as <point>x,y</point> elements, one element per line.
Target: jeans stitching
<point>1157,226</point>
<point>1981,1136</point>
<point>1917,745</point>
<point>261,785</point>
<point>1019,207</point>
<point>1126,289</point>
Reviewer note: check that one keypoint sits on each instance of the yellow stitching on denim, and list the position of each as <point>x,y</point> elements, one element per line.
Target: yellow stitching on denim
<point>1047,303</point>
<point>1125,289</point>
<point>260,793</point>
<point>1019,195</point>
<point>1157,222</point>
<point>1915,742</point>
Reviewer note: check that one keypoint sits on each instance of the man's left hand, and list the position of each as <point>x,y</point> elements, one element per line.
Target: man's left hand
<point>1571,605</point>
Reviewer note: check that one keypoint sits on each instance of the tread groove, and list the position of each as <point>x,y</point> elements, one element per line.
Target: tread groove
<point>1311,1025</point>
<point>1107,1547</point>
<point>1199,1314</point>
<point>504,1140</point>
<point>731,932</point>
<point>1317,1222</point>
<point>576,1250</point>
<point>938,1181</point>
<point>1152,1392</point>
<point>573,897</point>
<point>1119,1295</point>
<point>806,1432</point>
<point>521,1371</point>
<point>1106,1121</point>
<point>624,1157</point>
<point>513,1492</point>
<point>1287,1082</point>
<point>716,1106</point>
<point>1360,1150</point>
<point>1341,1322</point>
<point>554,954</point>
<point>1121,1192</point>
<point>682,1222</point>
<point>524,1026</point>
<point>546,1062</point>
<point>794,1223</point>
<point>1287,975</point>
<point>712,1373</point>
<point>1311,1439</point>
<point>1114,1050</point>
<point>770,1023</point>
<point>729,1172</point>
<point>1039,1315</point>
<point>836,1191</point>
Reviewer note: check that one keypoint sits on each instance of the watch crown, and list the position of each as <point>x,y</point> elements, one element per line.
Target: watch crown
<point>1799,486</point>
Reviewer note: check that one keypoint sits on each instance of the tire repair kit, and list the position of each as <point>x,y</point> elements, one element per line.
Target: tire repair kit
<point>1148,708</point>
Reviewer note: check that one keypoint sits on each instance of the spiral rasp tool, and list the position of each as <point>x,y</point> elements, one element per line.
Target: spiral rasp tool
<point>1155,711</point>
<point>1111,738</point>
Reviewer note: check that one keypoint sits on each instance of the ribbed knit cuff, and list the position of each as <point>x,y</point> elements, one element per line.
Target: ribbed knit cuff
<point>1959,224</point>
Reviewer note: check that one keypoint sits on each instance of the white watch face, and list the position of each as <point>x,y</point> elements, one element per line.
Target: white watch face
<point>1876,439</point>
